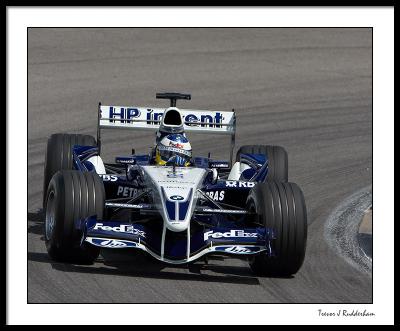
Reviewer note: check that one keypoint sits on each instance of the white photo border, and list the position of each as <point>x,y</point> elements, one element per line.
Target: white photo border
<point>381,19</point>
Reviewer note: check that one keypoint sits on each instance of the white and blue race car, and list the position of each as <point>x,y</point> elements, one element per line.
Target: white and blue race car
<point>244,206</point>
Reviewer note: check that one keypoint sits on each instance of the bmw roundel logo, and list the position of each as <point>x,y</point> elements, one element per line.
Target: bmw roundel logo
<point>176,197</point>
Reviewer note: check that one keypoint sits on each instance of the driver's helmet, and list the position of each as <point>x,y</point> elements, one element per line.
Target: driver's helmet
<point>173,148</point>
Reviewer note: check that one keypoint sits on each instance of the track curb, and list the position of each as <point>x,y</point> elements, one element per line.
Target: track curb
<point>365,233</point>
<point>347,224</point>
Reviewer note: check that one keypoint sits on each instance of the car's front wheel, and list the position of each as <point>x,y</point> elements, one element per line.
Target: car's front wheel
<point>72,196</point>
<point>280,207</point>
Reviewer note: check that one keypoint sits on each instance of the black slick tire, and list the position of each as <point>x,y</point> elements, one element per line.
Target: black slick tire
<point>281,207</point>
<point>71,196</point>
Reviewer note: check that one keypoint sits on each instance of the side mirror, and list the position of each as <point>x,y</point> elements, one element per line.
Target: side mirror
<point>214,176</point>
<point>132,171</point>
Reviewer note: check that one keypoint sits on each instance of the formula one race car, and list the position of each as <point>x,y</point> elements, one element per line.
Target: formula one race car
<point>170,204</point>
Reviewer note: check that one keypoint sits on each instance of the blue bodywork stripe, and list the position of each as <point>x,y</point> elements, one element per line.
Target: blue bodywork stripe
<point>170,209</point>
<point>169,205</point>
<point>183,206</point>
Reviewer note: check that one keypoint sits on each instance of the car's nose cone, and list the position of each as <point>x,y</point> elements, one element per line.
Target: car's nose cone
<point>175,193</point>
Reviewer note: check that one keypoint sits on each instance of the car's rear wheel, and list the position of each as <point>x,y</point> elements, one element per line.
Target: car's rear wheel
<point>277,160</point>
<point>72,196</point>
<point>59,155</point>
<point>280,207</point>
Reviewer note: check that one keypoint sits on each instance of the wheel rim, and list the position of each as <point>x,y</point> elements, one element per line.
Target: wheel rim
<point>50,215</point>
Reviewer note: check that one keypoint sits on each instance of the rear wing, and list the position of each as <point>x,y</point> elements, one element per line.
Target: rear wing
<point>148,118</point>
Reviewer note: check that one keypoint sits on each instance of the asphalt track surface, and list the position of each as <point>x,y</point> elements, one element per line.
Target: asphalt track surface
<point>308,90</point>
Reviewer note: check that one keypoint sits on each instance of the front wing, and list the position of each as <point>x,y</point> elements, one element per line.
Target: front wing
<point>216,240</point>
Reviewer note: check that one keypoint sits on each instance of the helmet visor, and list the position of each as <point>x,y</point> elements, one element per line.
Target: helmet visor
<point>182,156</point>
